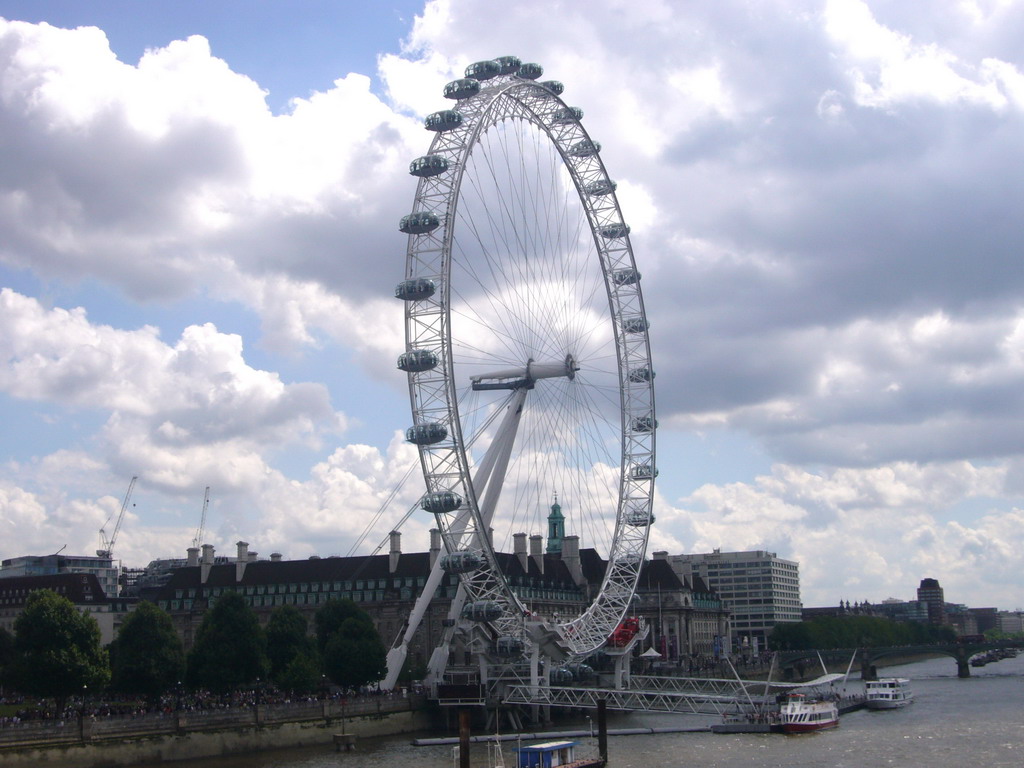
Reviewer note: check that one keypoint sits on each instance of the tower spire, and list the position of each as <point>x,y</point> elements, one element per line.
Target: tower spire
<point>556,528</point>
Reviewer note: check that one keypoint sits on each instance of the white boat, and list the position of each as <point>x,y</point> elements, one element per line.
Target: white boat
<point>801,714</point>
<point>888,693</point>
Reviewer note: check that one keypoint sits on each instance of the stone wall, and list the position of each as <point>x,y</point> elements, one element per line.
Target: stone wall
<point>210,743</point>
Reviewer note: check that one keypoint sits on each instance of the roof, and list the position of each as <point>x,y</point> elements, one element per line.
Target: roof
<point>79,588</point>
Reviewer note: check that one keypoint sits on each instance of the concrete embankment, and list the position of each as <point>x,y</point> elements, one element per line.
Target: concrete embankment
<point>153,748</point>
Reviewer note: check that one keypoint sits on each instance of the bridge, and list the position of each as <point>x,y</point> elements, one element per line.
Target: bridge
<point>792,662</point>
<point>690,696</point>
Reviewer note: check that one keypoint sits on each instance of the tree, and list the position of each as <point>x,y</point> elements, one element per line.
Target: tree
<point>230,648</point>
<point>57,649</point>
<point>6,654</point>
<point>147,657</point>
<point>294,665</point>
<point>352,651</point>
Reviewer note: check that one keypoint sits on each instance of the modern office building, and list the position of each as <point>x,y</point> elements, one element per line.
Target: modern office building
<point>759,589</point>
<point>931,594</point>
<point>51,565</point>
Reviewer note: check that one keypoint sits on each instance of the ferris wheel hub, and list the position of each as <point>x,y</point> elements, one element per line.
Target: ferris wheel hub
<point>527,376</point>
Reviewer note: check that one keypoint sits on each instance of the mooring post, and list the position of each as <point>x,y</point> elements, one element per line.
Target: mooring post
<point>602,729</point>
<point>464,737</point>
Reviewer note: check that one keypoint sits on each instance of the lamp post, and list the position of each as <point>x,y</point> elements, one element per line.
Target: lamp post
<point>81,713</point>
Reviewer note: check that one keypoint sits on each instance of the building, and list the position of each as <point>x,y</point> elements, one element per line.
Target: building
<point>554,586</point>
<point>83,590</point>
<point>1010,622</point>
<point>903,610</point>
<point>685,616</point>
<point>931,594</point>
<point>50,565</point>
<point>758,588</point>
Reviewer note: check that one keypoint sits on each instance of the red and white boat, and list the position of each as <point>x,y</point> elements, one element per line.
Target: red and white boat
<point>801,713</point>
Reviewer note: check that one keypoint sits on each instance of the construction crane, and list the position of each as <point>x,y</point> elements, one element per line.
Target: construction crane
<point>107,545</point>
<point>202,520</point>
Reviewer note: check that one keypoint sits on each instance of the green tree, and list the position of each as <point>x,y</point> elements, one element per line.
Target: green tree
<point>6,654</point>
<point>230,648</point>
<point>350,646</point>
<point>294,665</point>
<point>147,657</point>
<point>57,649</point>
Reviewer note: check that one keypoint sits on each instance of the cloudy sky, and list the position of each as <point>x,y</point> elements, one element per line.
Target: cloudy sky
<point>198,245</point>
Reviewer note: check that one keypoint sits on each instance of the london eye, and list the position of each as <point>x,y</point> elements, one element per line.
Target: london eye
<point>527,349</point>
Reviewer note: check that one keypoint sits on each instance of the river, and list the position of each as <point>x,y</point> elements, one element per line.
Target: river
<point>977,722</point>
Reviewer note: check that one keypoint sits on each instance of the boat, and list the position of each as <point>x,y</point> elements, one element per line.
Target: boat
<point>801,713</point>
<point>555,754</point>
<point>888,693</point>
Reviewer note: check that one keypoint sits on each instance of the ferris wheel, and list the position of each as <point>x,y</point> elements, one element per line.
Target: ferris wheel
<point>527,351</point>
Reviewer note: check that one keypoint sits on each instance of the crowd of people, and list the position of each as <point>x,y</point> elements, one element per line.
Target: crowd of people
<point>179,701</point>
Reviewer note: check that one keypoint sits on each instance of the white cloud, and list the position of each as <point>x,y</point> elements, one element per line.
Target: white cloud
<point>825,210</point>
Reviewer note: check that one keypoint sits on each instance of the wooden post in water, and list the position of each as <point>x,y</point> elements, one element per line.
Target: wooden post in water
<point>463,737</point>
<point>602,729</point>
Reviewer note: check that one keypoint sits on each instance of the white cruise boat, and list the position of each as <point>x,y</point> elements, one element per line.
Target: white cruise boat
<point>888,693</point>
<point>802,714</point>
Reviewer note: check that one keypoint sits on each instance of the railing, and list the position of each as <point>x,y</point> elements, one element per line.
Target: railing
<point>89,728</point>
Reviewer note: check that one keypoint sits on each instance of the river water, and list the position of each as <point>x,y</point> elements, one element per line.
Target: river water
<point>953,723</point>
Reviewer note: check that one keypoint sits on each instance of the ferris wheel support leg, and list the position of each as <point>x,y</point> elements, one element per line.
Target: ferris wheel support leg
<point>497,455</point>
<point>489,476</point>
<point>502,447</point>
<point>535,671</point>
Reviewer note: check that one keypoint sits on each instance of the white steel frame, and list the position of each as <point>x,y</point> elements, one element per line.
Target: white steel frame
<point>434,392</point>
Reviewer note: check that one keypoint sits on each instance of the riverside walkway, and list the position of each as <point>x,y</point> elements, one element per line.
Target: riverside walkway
<point>89,728</point>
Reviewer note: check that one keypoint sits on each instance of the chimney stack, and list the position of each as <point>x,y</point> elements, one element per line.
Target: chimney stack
<point>396,551</point>
<point>242,559</point>
<point>571,558</point>
<point>519,548</point>
<point>537,551</point>
<point>192,559</point>
<point>207,563</point>
<point>275,557</point>
<point>435,545</point>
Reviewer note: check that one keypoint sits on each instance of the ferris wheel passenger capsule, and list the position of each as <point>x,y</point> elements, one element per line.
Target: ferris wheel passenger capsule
<point>417,361</point>
<point>508,646</point>
<point>462,89</point>
<point>419,223</point>
<point>441,502</point>
<point>426,434</point>
<point>530,71</point>
<point>462,561</point>
<point>639,518</point>
<point>508,64</point>
<point>445,120</point>
<point>482,610</point>
<point>643,472</point>
<point>641,375</point>
<point>635,325</point>
<point>567,115</point>
<point>613,231</point>
<point>483,70</point>
<point>428,165</point>
<point>561,675</point>
<point>628,276</point>
<point>600,187</point>
<point>416,289</point>
<point>554,86</point>
<point>585,148</point>
<point>643,424</point>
